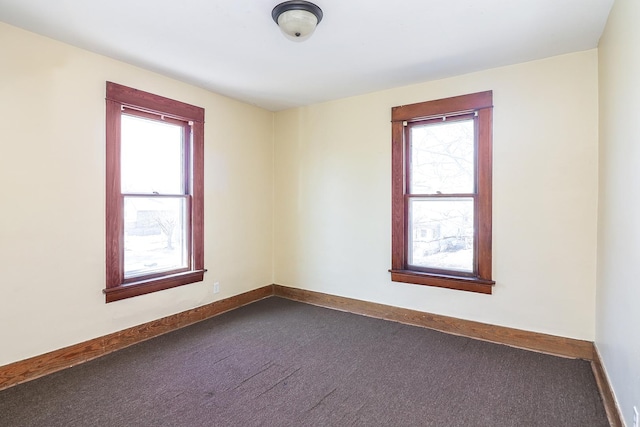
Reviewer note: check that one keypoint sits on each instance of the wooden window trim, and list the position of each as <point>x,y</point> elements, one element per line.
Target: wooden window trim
<point>117,98</point>
<point>482,104</point>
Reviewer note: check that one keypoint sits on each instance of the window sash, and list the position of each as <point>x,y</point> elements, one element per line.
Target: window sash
<point>408,149</point>
<point>186,143</point>
<point>185,243</point>
<point>185,186</point>
<point>473,272</point>
<point>409,195</point>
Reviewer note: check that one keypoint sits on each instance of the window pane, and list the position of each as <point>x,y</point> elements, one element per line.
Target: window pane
<point>154,235</point>
<point>152,157</point>
<point>442,158</point>
<point>441,233</point>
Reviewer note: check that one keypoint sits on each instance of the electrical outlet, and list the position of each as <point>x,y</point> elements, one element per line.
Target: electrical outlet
<point>636,419</point>
<point>216,287</point>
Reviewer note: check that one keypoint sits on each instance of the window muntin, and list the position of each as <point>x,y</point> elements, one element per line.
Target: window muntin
<point>154,193</point>
<point>441,193</point>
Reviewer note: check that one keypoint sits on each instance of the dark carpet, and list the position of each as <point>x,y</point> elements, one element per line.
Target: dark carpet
<point>283,363</point>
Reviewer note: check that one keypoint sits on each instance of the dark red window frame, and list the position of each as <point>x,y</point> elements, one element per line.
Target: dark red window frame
<point>481,106</point>
<point>118,100</point>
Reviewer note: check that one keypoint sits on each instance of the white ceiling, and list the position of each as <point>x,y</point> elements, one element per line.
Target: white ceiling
<point>234,48</point>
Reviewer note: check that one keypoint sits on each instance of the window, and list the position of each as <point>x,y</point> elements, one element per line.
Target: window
<point>154,193</point>
<point>441,193</point>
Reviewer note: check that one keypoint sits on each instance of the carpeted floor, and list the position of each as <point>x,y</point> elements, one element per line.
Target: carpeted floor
<point>282,363</point>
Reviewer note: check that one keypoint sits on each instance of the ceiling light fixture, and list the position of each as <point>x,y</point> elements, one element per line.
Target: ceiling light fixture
<point>297,19</point>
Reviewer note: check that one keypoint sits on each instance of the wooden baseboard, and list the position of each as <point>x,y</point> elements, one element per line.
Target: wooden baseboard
<point>57,360</point>
<point>606,392</point>
<point>551,344</point>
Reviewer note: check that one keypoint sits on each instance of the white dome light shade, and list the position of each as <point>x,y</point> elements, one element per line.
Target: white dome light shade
<point>297,19</point>
<point>297,25</point>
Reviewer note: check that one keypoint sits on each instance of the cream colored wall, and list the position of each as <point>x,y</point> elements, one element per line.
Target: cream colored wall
<point>333,211</point>
<point>52,156</point>
<point>332,197</point>
<point>618,291</point>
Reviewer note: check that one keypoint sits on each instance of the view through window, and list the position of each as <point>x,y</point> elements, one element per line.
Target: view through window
<point>441,195</point>
<point>155,196</point>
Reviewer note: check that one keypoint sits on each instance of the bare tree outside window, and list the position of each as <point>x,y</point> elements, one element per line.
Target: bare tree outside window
<point>167,225</point>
